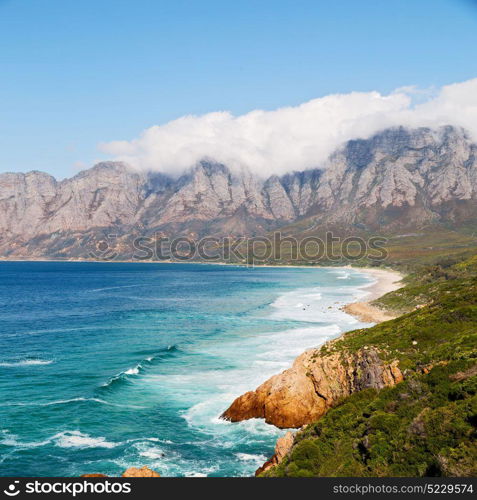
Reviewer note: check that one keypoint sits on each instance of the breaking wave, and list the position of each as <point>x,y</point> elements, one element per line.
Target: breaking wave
<point>125,376</point>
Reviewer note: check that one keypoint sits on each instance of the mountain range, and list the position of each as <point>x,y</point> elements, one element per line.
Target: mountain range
<point>396,180</point>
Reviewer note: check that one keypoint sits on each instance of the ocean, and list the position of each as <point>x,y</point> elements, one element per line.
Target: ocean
<point>105,366</point>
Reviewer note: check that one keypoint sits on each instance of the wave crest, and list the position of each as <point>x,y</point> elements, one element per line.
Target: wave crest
<point>124,376</point>
<point>27,362</point>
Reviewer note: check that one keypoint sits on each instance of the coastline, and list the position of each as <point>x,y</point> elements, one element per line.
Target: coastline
<point>288,399</point>
<point>386,281</point>
<point>272,352</point>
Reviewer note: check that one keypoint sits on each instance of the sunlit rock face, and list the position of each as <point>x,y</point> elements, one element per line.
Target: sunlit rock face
<point>314,384</point>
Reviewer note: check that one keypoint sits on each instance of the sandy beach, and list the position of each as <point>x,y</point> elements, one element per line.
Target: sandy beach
<point>386,281</point>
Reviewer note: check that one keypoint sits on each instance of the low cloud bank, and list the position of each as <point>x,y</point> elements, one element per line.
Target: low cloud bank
<point>294,138</point>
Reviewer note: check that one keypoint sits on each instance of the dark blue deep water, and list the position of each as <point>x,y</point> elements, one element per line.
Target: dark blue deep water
<point>107,366</point>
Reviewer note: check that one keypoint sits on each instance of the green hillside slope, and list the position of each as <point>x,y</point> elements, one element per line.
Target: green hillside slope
<point>424,426</point>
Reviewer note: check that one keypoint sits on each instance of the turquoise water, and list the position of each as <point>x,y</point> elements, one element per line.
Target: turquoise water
<point>107,366</point>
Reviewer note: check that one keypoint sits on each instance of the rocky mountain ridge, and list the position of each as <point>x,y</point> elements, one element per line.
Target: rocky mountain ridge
<point>397,178</point>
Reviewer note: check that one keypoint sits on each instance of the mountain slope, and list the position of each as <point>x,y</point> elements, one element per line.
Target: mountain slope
<point>397,179</point>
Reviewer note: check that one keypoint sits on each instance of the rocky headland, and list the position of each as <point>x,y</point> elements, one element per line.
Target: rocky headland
<point>321,377</point>
<point>395,399</point>
<point>315,383</point>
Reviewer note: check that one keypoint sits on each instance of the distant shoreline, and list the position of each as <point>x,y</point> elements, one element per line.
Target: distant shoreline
<point>218,263</point>
<point>387,280</point>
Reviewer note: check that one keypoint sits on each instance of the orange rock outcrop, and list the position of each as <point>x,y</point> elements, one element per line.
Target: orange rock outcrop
<point>315,383</point>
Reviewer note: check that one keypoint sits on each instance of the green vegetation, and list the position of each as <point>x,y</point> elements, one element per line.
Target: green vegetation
<point>427,283</point>
<point>426,425</point>
<point>406,249</point>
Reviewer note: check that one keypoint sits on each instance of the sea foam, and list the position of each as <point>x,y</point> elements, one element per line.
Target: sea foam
<point>77,439</point>
<point>182,358</point>
<point>26,362</point>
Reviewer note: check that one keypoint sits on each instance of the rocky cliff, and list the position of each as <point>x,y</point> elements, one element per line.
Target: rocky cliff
<point>359,416</point>
<point>397,178</point>
<point>314,384</point>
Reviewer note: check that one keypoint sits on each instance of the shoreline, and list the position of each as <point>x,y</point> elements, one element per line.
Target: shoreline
<point>371,283</point>
<point>369,270</point>
<point>386,281</point>
<point>287,389</point>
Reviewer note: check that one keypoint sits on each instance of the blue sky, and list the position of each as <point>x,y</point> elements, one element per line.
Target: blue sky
<point>77,73</point>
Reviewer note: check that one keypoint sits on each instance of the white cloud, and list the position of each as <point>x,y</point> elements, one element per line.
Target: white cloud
<point>294,138</point>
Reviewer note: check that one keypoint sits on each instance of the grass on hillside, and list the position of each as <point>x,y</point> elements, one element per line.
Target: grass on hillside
<point>406,252</point>
<point>424,426</point>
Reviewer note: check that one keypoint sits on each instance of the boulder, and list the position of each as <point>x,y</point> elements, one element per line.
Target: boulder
<point>140,472</point>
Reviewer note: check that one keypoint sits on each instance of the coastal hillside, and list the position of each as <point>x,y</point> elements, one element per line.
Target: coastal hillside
<point>399,183</point>
<point>397,399</point>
